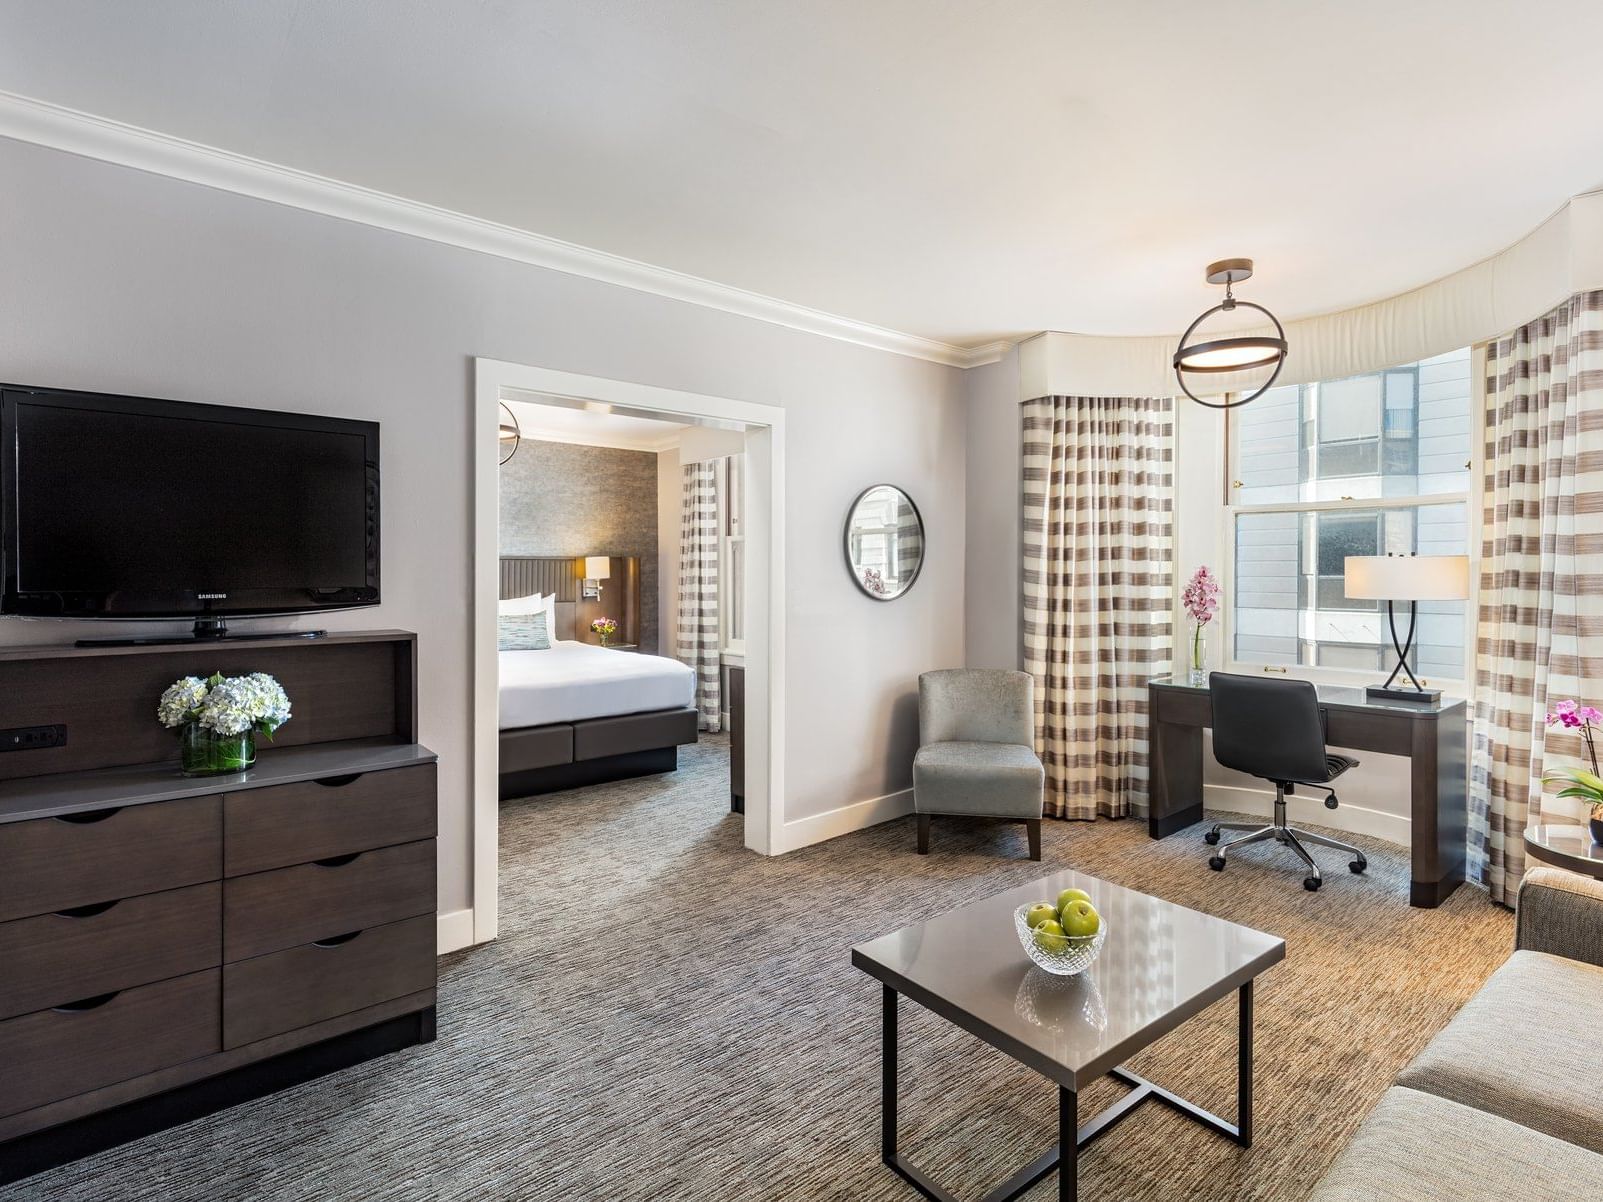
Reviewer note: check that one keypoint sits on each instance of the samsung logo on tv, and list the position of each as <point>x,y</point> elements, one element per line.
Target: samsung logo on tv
<point>211,596</point>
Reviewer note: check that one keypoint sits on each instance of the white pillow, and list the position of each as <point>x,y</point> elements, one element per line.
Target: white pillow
<point>532,604</point>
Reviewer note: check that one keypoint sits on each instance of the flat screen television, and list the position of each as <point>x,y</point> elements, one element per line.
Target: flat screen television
<point>126,507</point>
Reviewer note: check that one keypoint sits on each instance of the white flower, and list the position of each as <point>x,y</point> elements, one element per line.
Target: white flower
<point>229,706</point>
<point>179,703</point>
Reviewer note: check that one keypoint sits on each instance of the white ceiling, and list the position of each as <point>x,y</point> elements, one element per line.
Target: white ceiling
<point>957,171</point>
<point>594,427</point>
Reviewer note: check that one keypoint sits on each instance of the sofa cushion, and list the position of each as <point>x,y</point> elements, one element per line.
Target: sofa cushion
<point>1002,780</point>
<point>1416,1147</point>
<point>1525,1047</point>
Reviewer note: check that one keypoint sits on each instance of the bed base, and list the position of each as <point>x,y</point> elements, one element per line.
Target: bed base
<point>567,755</point>
<point>557,777</point>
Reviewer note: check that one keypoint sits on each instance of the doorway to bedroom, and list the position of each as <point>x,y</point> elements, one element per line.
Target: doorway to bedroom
<point>623,555</point>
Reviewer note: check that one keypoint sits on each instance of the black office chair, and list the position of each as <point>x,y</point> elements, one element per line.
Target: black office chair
<point>1275,729</point>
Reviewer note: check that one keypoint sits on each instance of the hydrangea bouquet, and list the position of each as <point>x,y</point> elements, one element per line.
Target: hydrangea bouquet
<point>1201,601</point>
<point>1584,786</point>
<point>605,627</point>
<point>217,719</point>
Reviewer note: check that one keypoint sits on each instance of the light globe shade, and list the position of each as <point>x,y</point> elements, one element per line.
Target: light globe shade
<point>597,567</point>
<point>1407,577</point>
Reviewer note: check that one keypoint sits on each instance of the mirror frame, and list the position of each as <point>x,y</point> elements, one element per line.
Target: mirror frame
<point>846,541</point>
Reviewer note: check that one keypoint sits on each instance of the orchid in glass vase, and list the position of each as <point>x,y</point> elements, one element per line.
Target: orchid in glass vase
<point>1578,782</point>
<point>217,719</point>
<point>1201,601</point>
<point>605,627</point>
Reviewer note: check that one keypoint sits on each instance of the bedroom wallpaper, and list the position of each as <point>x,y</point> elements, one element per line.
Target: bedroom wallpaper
<point>561,499</point>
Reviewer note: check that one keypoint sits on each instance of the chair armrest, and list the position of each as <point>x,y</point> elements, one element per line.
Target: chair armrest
<point>1560,913</point>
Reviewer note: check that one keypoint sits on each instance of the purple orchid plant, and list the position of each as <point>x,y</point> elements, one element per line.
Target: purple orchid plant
<point>1201,602</point>
<point>1578,782</point>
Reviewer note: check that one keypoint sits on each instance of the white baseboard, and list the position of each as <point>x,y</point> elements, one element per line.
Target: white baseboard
<point>860,815</point>
<point>454,931</point>
<point>1309,811</point>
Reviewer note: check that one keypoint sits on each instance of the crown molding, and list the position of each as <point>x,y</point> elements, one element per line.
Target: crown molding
<point>43,124</point>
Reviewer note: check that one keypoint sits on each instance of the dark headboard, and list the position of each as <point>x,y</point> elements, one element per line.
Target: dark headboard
<point>522,575</point>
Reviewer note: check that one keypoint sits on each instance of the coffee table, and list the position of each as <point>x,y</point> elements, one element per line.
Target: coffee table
<point>1161,964</point>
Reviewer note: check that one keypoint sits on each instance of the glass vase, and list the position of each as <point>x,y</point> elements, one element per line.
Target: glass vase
<point>207,753</point>
<point>1197,661</point>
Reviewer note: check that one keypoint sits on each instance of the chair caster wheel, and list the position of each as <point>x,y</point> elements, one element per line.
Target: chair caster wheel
<point>1330,802</point>
<point>1211,838</point>
<point>1311,883</point>
<point>1357,865</point>
<point>1217,863</point>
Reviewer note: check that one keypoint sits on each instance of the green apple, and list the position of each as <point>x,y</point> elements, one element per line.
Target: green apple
<point>1072,895</point>
<point>1080,920</point>
<point>1049,937</point>
<point>1040,912</point>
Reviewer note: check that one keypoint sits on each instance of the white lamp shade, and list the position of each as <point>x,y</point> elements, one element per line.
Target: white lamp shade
<point>1407,577</point>
<point>597,567</point>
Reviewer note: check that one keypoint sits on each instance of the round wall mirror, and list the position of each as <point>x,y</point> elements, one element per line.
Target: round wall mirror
<point>884,542</point>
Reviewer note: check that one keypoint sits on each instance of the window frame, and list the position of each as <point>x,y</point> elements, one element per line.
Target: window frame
<point>1231,510</point>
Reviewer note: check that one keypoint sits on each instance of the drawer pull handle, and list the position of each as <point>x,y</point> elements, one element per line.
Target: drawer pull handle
<point>88,911</point>
<point>88,1003</point>
<point>338,861</point>
<point>338,782</point>
<point>88,817</point>
<point>336,940</point>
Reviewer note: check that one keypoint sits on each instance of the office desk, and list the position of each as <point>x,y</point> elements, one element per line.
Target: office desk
<point>1433,737</point>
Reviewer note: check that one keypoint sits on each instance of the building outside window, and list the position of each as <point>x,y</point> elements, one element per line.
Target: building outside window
<point>1370,465</point>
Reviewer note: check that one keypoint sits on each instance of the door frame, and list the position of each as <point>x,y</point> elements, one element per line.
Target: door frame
<point>764,425</point>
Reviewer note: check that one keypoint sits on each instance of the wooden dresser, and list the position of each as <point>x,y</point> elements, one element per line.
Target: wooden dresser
<point>169,946</point>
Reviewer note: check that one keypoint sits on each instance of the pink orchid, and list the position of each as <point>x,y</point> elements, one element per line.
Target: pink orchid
<point>1201,596</point>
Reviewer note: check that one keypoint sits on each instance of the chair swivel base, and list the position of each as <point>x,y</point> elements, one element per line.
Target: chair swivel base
<point>1282,833</point>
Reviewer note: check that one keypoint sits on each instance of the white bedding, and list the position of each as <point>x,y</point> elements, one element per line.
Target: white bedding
<point>579,680</point>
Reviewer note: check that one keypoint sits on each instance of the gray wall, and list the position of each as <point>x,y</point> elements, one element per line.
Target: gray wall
<point>991,585</point>
<point>559,498</point>
<point>132,282</point>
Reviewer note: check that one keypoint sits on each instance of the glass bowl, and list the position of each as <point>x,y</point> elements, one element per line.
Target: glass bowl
<point>1077,954</point>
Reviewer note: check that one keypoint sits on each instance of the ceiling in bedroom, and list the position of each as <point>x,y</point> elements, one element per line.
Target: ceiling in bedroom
<point>961,171</point>
<point>562,422</point>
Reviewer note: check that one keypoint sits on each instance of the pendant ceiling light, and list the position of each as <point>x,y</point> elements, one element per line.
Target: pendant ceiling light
<point>1224,355</point>
<point>509,434</point>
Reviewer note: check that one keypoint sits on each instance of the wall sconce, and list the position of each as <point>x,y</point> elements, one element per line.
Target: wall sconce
<point>596,569</point>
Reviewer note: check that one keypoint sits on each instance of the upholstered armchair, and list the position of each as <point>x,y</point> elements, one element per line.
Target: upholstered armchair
<point>976,754</point>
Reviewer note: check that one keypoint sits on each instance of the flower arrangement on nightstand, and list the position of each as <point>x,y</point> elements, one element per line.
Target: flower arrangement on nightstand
<point>605,627</point>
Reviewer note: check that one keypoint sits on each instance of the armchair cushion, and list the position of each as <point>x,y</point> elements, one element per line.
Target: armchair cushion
<point>999,780</point>
<point>1546,1080</point>
<point>1416,1147</point>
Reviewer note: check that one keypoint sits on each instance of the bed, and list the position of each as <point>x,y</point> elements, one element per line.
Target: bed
<point>577,713</point>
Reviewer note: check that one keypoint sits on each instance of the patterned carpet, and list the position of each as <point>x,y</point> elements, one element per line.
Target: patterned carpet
<point>667,1016</point>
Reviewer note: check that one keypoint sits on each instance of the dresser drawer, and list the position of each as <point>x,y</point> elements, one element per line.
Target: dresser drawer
<point>269,911</point>
<point>316,820</point>
<point>50,864</point>
<point>54,1054</point>
<point>56,958</point>
<point>303,985</point>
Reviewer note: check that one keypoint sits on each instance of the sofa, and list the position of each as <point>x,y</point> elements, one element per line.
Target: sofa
<point>1507,1101</point>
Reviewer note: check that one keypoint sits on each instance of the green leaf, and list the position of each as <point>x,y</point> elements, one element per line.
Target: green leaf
<point>1592,795</point>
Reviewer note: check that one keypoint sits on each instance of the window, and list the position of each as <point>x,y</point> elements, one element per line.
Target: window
<point>1370,465</point>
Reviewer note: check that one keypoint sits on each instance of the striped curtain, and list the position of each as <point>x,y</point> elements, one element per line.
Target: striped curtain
<point>1098,591</point>
<point>1539,628</point>
<point>698,588</point>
